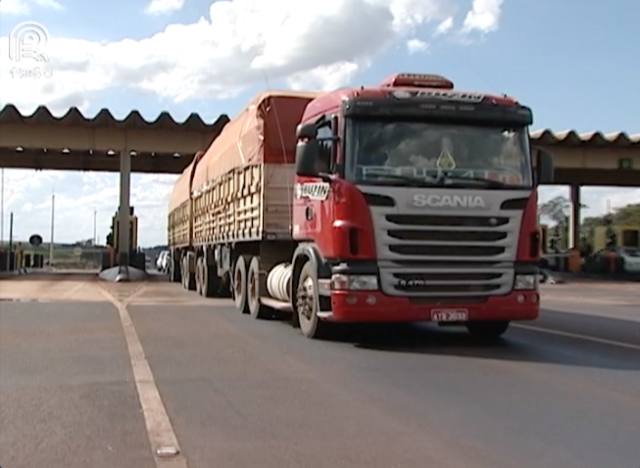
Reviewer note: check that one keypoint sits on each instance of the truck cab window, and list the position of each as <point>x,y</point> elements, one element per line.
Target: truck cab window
<point>326,144</point>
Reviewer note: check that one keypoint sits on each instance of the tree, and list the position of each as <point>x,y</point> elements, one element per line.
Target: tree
<point>629,215</point>
<point>557,209</point>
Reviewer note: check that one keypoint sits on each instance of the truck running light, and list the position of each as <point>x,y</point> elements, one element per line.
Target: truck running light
<point>418,80</point>
<point>341,282</point>
<point>526,282</point>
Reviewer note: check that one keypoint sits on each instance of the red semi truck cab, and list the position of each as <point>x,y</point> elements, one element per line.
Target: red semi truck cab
<point>417,202</point>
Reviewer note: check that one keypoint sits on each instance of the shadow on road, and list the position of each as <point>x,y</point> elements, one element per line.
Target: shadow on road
<point>517,345</point>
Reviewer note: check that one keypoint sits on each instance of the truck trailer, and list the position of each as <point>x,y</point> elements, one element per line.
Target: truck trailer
<point>403,202</point>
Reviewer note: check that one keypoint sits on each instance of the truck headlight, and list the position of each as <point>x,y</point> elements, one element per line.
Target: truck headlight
<point>527,281</point>
<point>341,282</point>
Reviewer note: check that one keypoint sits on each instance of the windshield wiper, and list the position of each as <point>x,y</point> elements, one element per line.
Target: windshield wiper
<point>413,181</point>
<point>486,182</point>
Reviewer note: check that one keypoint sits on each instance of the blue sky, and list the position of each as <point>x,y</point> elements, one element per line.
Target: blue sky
<point>571,61</point>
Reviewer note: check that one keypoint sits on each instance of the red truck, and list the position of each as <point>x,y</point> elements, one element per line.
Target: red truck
<point>408,201</point>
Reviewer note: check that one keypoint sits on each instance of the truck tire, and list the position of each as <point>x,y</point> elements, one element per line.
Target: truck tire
<point>240,284</point>
<point>199,275</point>
<point>211,283</point>
<point>256,309</point>
<point>488,331</point>
<point>188,280</point>
<point>174,270</point>
<point>307,304</point>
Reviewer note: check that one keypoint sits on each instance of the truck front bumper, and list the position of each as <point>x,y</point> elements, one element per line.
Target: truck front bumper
<point>375,306</point>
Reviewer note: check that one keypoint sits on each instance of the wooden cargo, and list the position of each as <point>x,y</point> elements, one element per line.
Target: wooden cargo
<point>180,211</point>
<point>248,203</point>
<point>241,189</point>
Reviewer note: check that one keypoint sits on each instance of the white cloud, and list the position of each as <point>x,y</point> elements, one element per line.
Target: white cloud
<point>416,45</point>
<point>324,77</point>
<point>159,7</point>
<point>411,14</point>
<point>318,45</point>
<point>484,16</point>
<point>28,196</point>
<point>53,4</point>
<point>14,7</point>
<point>23,7</point>
<point>444,27</point>
<point>321,44</point>
<point>595,199</point>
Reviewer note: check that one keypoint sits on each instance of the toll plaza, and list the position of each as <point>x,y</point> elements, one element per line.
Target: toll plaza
<point>590,159</point>
<point>103,143</point>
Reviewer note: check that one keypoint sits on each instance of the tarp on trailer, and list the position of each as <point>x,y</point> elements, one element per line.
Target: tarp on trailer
<point>182,188</point>
<point>264,132</point>
<point>180,192</point>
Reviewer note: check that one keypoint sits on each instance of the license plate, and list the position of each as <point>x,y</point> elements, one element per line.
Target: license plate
<point>449,315</point>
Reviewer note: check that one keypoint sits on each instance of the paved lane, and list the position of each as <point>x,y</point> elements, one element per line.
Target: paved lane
<point>66,393</point>
<point>242,392</point>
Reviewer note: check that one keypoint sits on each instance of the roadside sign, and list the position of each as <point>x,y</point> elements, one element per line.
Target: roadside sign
<point>35,240</point>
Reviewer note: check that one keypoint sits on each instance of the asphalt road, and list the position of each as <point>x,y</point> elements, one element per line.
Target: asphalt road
<point>561,391</point>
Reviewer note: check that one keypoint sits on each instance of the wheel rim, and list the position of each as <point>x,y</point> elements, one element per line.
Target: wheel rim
<point>305,303</point>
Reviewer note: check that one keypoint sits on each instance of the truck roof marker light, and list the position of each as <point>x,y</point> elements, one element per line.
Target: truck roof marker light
<point>417,80</point>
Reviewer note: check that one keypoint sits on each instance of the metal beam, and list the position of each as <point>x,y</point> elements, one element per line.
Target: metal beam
<point>74,143</point>
<point>597,177</point>
<point>100,161</point>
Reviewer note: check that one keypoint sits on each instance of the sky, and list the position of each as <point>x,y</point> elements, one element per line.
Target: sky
<point>573,62</point>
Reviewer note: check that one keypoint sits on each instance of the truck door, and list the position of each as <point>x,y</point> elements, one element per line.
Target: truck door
<point>313,205</point>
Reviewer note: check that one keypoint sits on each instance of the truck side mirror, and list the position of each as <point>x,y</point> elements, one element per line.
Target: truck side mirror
<point>307,157</point>
<point>307,131</point>
<point>544,167</point>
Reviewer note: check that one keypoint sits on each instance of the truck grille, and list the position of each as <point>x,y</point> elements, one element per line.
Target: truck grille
<point>435,253</point>
<point>445,250</point>
<point>473,221</point>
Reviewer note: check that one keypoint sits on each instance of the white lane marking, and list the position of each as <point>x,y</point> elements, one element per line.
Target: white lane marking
<point>579,336</point>
<point>159,430</point>
<point>589,300</point>
<point>72,291</point>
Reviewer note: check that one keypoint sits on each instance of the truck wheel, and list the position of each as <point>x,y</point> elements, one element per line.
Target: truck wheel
<point>210,281</point>
<point>240,284</point>
<point>308,304</point>
<point>174,271</point>
<point>199,275</point>
<point>188,280</point>
<point>256,309</point>
<point>487,330</point>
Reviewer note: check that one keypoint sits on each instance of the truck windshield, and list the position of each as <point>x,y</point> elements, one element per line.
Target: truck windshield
<point>419,153</point>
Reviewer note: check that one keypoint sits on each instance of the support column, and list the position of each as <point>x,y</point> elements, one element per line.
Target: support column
<point>574,225</point>
<point>124,215</point>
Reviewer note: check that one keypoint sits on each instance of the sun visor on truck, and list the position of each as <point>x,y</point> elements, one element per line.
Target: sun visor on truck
<point>460,112</point>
